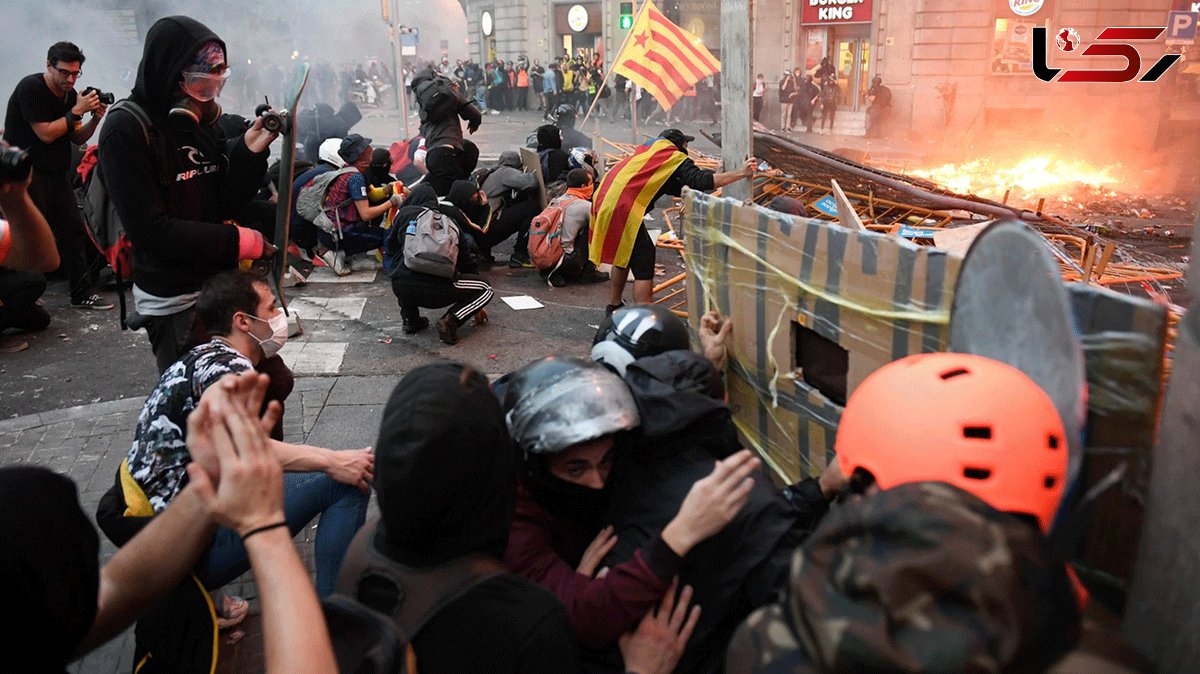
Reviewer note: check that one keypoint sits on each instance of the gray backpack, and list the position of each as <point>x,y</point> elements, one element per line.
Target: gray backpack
<point>431,244</point>
<point>310,202</point>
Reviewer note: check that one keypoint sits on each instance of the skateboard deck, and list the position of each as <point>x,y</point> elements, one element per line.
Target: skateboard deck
<point>1010,305</point>
<point>532,164</point>
<point>1161,620</point>
<point>287,165</point>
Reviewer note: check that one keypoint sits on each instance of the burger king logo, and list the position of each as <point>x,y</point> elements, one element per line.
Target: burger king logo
<point>1025,7</point>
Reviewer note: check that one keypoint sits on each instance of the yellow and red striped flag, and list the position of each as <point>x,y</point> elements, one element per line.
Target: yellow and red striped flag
<point>663,58</point>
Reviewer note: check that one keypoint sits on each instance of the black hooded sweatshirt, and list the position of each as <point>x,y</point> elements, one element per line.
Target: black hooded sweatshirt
<point>421,198</point>
<point>555,161</point>
<point>446,477</point>
<point>173,195</point>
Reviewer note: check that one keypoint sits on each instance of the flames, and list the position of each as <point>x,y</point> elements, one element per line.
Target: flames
<point>1029,178</point>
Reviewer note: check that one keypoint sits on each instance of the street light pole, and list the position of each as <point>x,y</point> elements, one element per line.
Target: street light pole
<point>398,66</point>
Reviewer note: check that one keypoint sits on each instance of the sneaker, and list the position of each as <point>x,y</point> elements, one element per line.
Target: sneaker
<point>518,261</point>
<point>609,308</point>
<point>12,344</point>
<point>556,280</point>
<point>93,302</point>
<point>336,261</point>
<point>364,262</point>
<point>480,318</point>
<point>447,329</point>
<point>415,326</point>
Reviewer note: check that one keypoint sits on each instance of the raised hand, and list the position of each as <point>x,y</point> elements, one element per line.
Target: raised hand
<point>596,552</point>
<point>712,502</point>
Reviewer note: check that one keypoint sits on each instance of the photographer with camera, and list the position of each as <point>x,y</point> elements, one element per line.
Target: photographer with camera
<point>45,116</point>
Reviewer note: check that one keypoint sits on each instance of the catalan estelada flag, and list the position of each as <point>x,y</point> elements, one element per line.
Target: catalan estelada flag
<point>663,58</point>
<point>623,196</point>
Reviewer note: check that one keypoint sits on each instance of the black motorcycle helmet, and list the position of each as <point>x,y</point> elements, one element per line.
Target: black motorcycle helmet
<point>564,116</point>
<point>634,332</point>
<point>559,401</point>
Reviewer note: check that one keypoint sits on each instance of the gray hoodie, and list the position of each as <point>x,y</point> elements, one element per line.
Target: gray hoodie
<point>507,177</point>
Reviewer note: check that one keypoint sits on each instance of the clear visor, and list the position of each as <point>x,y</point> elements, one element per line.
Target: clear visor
<point>204,86</point>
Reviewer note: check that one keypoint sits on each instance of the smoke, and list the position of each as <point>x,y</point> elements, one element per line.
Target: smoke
<point>264,39</point>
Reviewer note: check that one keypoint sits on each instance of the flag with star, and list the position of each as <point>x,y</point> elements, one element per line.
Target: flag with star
<point>664,59</point>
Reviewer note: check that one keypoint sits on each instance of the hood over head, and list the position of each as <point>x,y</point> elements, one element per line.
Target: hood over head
<point>460,194</point>
<point>510,158</point>
<point>549,136</point>
<point>921,577</point>
<point>171,44</point>
<point>50,570</point>
<point>674,389</point>
<point>445,468</point>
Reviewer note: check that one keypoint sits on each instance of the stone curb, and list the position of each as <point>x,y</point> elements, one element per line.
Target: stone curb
<point>23,423</point>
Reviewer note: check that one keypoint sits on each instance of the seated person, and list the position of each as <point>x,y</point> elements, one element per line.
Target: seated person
<point>466,293</point>
<point>569,416</point>
<point>21,306</point>
<point>513,196</point>
<point>72,605</point>
<point>555,162</point>
<point>577,216</point>
<point>238,310</point>
<point>349,206</point>
<point>303,232</point>
<point>26,247</point>
<point>564,119</point>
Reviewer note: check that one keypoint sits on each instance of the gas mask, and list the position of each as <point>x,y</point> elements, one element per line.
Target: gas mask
<point>279,333</point>
<point>198,92</point>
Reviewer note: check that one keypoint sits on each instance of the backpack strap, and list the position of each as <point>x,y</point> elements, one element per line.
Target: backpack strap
<point>420,593</point>
<point>143,120</point>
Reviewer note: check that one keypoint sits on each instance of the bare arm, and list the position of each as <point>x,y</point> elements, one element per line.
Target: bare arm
<point>48,132</point>
<point>368,212</point>
<point>33,246</point>
<point>730,177</point>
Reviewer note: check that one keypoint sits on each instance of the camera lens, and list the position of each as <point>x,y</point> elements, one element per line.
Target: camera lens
<point>15,164</point>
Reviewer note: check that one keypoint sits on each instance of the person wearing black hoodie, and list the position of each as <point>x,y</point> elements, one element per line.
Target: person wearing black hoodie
<point>450,157</point>
<point>555,161</point>
<point>175,184</point>
<point>466,293</point>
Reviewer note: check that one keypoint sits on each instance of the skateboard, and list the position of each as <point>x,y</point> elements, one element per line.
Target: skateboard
<point>1161,619</point>
<point>286,121</point>
<point>1010,305</point>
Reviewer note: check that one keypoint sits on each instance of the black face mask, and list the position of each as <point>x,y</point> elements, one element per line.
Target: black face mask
<point>582,505</point>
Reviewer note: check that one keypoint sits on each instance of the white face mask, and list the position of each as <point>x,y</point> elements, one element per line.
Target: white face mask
<point>279,333</point>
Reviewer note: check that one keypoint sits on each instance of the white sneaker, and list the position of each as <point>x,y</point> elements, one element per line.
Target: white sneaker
<point>363,262</point>
<point>336,261</point>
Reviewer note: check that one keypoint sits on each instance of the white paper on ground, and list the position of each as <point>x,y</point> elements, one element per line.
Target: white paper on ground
<point>520,302</point>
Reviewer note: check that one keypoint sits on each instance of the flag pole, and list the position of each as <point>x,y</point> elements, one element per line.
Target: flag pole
<point>608,71</point>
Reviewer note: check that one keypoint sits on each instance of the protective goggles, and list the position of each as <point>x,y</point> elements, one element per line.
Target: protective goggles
<point>204,86</point>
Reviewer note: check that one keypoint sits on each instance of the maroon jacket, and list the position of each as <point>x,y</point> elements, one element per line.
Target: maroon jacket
<point>546,549</point>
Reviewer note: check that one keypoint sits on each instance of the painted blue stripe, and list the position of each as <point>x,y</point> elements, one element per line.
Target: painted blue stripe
<point>935,278</point>
<point>760,314</point>
<point>870,254</point>
<point>901,295</point>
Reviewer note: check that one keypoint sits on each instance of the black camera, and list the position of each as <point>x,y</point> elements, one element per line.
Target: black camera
<point>107,99</point>
<point>15,164</point>
<point>275,121</point>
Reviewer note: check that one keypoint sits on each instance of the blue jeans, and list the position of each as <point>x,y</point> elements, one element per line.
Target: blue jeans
<point>342,508</point>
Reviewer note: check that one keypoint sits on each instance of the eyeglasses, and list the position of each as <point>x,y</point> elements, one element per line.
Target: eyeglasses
<point>68,73</point>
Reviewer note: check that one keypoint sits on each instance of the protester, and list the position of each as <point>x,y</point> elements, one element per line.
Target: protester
<point>564,119</point>
<point>619,236</point>
<point>238,309</point>
<point>177,227</point>
<point>550,90</point>
<point>758,95</point>
<point>44,117</point>
<point>71,605</point>
<point>449,157</point>
<point>830,93</point>
<point>537,75</point>
<point>787,97</point>
<point>555,162</point>
<point>355,218</point>
<point>514,197</point>
<point>26,247</point>
<point>880,99</point>
<point>808,95</point>
<point>466,293</point>
<point>302,231</point>
<point>569,415</point>
<point>575,266</point>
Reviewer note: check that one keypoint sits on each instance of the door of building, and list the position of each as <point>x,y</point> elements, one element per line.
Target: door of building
<point>853,58</point>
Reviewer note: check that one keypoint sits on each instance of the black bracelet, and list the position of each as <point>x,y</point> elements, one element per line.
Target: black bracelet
<point>267,527</point>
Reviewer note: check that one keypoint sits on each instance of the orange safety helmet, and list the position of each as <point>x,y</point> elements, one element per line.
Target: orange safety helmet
<point>976,423</point>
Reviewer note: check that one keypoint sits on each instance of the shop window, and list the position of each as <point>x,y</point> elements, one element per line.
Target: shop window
<point>1012,44</point>
<point>823,364</point>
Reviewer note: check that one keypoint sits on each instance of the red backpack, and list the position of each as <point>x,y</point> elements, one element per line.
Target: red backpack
<point>545,235</point>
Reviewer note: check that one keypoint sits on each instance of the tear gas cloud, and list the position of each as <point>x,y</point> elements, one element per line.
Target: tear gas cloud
<point>260,37</point>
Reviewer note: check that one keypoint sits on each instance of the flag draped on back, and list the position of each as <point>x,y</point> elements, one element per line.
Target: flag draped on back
<point>623,196</point>
<point>663,58</point>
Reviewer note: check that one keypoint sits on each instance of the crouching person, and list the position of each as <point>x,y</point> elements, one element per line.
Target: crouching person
<point>423,275</point>
<point>559,236</point>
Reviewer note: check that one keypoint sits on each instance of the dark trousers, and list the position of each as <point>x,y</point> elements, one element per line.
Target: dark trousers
<point>172,336</point>
<point>19,293</point>
<point>828,112</point>
<point>802,113</point>
<point>551,102</point>
<point>357,237</point>
<point>464,295</point>
<point>513,218</point>
<point>54,197</point>
<point>758,106</point>
<point>522,98</point>
<point>447,164</point>
<point>577,262</point>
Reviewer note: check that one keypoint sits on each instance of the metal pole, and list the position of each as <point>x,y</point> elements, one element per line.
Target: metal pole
<point>399,56</point>
<point>736,137</point>
<point>608,71</point>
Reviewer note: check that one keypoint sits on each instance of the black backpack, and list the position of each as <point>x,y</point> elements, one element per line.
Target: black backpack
<point>437,98</point>
<point>380,604</point>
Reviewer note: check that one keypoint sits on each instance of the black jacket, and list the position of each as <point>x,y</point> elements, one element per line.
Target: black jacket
<point>447,130</point>
<point>686,174</point>
<point>423,197</point>
<point>173,195</point>
<point>685,429</point>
